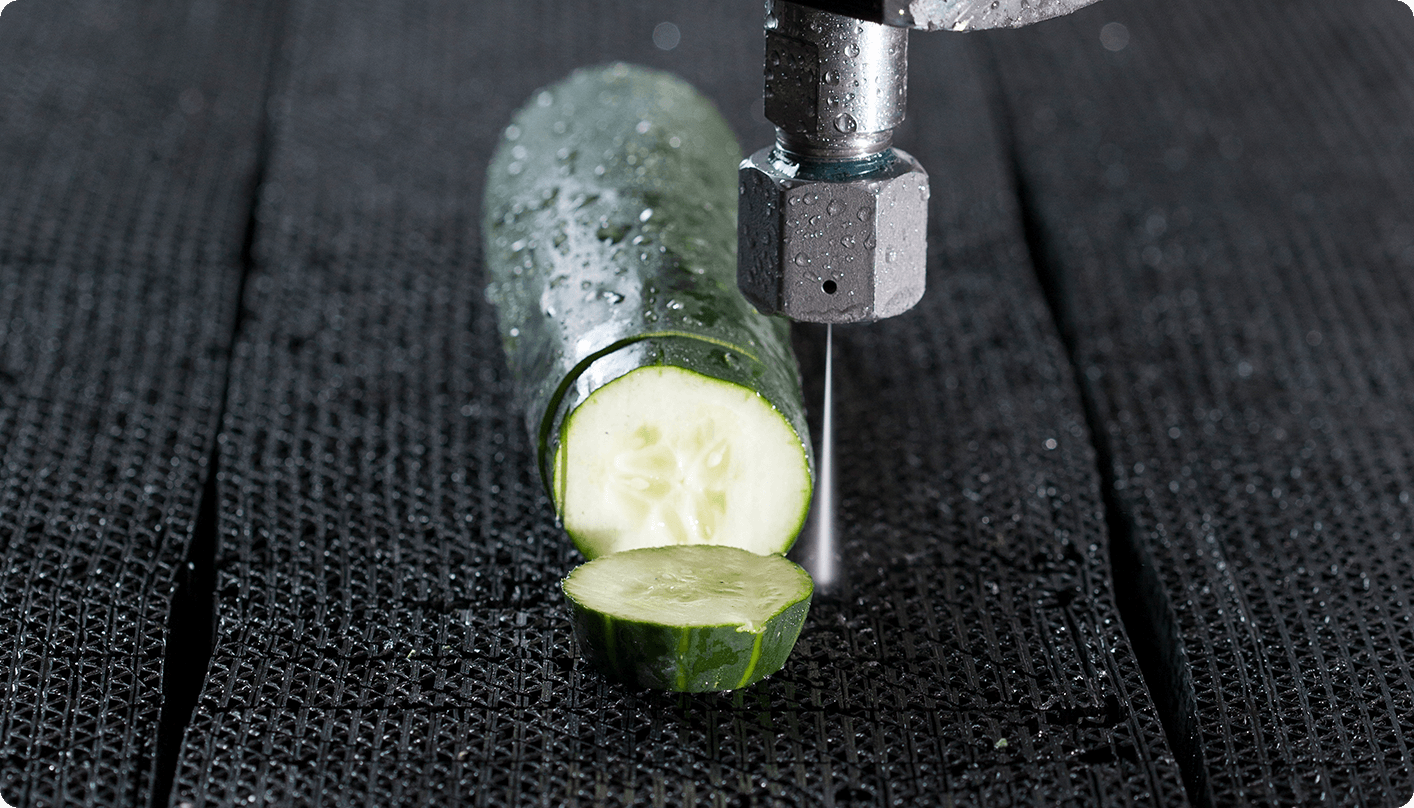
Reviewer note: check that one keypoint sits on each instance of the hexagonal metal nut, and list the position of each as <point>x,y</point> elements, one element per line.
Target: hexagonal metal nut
<point>832,249</point>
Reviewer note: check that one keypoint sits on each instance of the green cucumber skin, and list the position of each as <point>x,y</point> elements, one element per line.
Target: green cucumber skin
<point>713,658</point>
<point>586,286</point>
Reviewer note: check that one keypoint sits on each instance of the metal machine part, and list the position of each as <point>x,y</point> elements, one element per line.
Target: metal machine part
<point>951,15</point>
<point>833,219</point>
<point>826,247</point>
<point>835,86</point>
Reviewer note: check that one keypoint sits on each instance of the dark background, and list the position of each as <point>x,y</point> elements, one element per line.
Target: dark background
<point>1126,499</point>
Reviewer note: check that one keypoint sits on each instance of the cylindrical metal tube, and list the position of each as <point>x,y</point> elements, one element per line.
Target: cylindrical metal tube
<point>835,86</point>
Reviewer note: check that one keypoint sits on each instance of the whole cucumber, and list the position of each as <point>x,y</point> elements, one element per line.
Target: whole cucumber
<point>610,246</point>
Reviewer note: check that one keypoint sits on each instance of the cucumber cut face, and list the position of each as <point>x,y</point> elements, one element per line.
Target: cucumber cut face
<point>666,456</point>
<point>690,618</point>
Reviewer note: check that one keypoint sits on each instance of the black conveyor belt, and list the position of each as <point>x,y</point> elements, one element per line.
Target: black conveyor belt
<point>1125,499</point>
<point>128,142</point>
<point>1226,209</point>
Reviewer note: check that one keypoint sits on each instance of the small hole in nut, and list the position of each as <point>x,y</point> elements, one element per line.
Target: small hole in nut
<point>829,287</point>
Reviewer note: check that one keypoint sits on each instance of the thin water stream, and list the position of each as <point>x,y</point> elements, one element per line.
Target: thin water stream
<point>823,516</point>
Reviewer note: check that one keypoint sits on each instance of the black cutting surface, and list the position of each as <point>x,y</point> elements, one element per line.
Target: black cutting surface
<point>127,143</point>
<point>390,624</point>
<point>1227,224</point>
<point>1159,389</point>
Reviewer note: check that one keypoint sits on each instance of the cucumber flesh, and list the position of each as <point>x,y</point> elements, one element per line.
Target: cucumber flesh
<point>665,456</point>
<point>690,618</point>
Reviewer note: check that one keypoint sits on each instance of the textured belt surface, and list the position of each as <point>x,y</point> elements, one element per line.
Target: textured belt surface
<point>1166,335</point>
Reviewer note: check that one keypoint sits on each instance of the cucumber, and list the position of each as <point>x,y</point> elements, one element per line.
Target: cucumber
<point>689,617</point>
<point>665,410</point>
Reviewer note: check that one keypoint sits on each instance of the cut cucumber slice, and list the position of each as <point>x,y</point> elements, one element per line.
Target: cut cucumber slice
<point>665,456</point>
<point>664,409</point>
<point>691,618</point>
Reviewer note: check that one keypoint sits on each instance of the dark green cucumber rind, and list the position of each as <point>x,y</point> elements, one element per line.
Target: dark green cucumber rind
<point>585,285</point>
<point>693,659</point>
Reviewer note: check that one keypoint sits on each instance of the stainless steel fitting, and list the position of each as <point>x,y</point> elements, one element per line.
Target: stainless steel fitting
<point>833,220</point>
<point>836,73</point>
<point>821,245</point>
<point>835,86</point>
<point>952,15</point>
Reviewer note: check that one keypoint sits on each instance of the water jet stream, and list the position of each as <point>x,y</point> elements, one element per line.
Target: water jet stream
<point>822,527</point>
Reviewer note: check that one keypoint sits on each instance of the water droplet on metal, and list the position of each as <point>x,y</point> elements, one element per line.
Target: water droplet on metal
<point>801,259</point>
<point>645,215</point>
<point>891,255</point>
<point>844,122</point>
<point>512,132</point>
<point>835,207</point>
